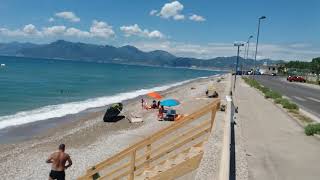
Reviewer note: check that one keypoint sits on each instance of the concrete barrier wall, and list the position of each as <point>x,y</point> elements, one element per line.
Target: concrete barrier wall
<point>216,158</point>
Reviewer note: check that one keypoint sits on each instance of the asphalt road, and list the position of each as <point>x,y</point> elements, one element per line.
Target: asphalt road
<point>276,146</point>
<point>306,96</point>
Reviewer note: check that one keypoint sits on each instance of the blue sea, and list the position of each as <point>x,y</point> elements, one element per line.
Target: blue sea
<point>39,89</point>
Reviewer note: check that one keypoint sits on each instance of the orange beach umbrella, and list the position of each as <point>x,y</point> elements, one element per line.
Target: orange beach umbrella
<point>154,95</point>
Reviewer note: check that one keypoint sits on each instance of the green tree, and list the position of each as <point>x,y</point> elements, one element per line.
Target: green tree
<point>315,66</point>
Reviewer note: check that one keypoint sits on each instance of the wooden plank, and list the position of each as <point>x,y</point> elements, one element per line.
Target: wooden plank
<point>213,114</point>
<point>169,150</point>
<point>148,150</point>
<point>179,169</point>
<point>182,136</point>
<point>148,155</point>
<point>176,146</point>
<point>132,165</point>
<point>152,138</point>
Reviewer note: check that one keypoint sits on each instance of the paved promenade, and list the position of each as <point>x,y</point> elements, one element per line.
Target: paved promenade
<point>276,147</point>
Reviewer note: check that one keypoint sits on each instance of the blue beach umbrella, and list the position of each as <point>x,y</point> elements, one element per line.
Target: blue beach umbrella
<point>169,102</point>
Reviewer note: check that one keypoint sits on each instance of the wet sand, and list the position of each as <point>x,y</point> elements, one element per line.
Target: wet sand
<point>89,140</point>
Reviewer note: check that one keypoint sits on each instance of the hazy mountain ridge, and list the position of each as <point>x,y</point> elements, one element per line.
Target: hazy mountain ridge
<point>126,54</point>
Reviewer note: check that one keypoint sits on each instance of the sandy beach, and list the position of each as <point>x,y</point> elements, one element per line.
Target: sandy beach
<point>89,140</point>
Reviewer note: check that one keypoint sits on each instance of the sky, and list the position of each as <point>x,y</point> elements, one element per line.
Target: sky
<point>198,28</point>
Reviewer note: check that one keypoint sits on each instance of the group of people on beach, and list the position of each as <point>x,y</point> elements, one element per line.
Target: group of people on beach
<point>155,105</point>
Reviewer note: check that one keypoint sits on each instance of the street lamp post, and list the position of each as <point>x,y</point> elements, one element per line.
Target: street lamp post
<point>255,55</point>
<point>246,50</point>
<point>238,44</point>
<point>248,46</point>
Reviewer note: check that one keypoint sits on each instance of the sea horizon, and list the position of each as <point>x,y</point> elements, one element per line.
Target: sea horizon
<point>30,94</point>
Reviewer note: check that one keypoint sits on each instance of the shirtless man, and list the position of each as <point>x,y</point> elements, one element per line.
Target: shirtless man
<point>59,160</point>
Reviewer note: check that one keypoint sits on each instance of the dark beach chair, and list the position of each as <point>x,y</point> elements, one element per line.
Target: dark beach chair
<point>170,115</point>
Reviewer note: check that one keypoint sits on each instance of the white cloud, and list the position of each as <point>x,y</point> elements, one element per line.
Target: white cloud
<point>51,19</point>
<point>101,29</point>
<point>7,32</point>
<point>211,50</point>
<point>135,30</point>
<point>178,17</point>
<point>77,33</point>
<point>68,15</point>
<point>153,12</point>
<point>54,30</point>
<point>155,34</point>
<point>31,29</point>
<point>197,18</point>
<point>172,10</point>
<point>131,30</point>
<point>98,29</point>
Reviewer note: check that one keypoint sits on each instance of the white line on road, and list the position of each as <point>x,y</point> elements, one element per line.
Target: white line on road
<point>299,98</point>
<point>314,99</point>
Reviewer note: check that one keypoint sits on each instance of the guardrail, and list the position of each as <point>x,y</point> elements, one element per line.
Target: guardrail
<point>169,142</point>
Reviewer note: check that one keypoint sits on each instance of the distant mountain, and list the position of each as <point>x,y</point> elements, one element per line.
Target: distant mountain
<point>126,54</point>
<point>13,47</point>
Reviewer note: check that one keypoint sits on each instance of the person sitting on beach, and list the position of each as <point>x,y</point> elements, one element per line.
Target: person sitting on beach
<point>154,104</point>
<point>161,111</point>
<point>59,160</point>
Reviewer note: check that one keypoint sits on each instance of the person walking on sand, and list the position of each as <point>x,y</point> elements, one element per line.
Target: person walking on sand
<point>142,103</point>
<point>161,111</point>
<point>59,160</point>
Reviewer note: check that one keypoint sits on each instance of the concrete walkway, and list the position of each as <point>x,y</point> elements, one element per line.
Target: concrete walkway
<point>276,147</point>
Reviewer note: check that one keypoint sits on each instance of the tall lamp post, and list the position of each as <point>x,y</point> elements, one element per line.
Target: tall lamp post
<point>255,55</point>
<point>238,44</point>
<point>248,46</point>
<point>246,50</point>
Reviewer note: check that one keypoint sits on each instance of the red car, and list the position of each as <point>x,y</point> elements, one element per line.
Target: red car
<point>296,79</point>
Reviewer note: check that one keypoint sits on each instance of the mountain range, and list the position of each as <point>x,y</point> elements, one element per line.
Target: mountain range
<point>125,55</point>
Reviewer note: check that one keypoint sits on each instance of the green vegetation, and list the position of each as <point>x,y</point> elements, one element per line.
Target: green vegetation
<point>304,68</point>
<point>268,93</point>
<point>272,94</point>
<point>292,108</point>
<point>312,129</point>
<point>290,105</point>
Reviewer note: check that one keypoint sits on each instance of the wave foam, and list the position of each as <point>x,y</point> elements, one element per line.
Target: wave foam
<point>60,110</point>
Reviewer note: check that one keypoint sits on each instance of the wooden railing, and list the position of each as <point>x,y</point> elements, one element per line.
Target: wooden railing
<point>169,142</point>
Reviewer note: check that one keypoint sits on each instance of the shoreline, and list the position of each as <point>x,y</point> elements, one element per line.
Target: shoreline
<point>13,130</point>
<point>89,139</point>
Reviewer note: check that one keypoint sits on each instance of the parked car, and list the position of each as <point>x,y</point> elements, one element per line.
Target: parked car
<point>296,79</point>
<point>273,74</point>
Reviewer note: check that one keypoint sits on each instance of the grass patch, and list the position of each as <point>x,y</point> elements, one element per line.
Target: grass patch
<point>290,105</point>
<point>272,94</point>
<point>312,129</point>
<point>268,93</point>
<point>292,108</point>
<point>293,111</point>
<point>278,100</point>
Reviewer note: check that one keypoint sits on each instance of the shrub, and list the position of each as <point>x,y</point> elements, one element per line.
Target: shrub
<point>272,94</point>
<point>312,129</point>
<point>278,100</point>
<point>265,90</point>
<point>289,105</point>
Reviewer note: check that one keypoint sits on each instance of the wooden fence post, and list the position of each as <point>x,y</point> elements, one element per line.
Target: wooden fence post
<point>132,165</point>
<point>148,156</point>
<point>213,114</point>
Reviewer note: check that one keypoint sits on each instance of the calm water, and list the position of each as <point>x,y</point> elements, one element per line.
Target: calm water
<point>38,89</point>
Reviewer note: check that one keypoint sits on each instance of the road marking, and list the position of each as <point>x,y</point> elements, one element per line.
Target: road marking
<point>299,98</point>
<point>314,99</point>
